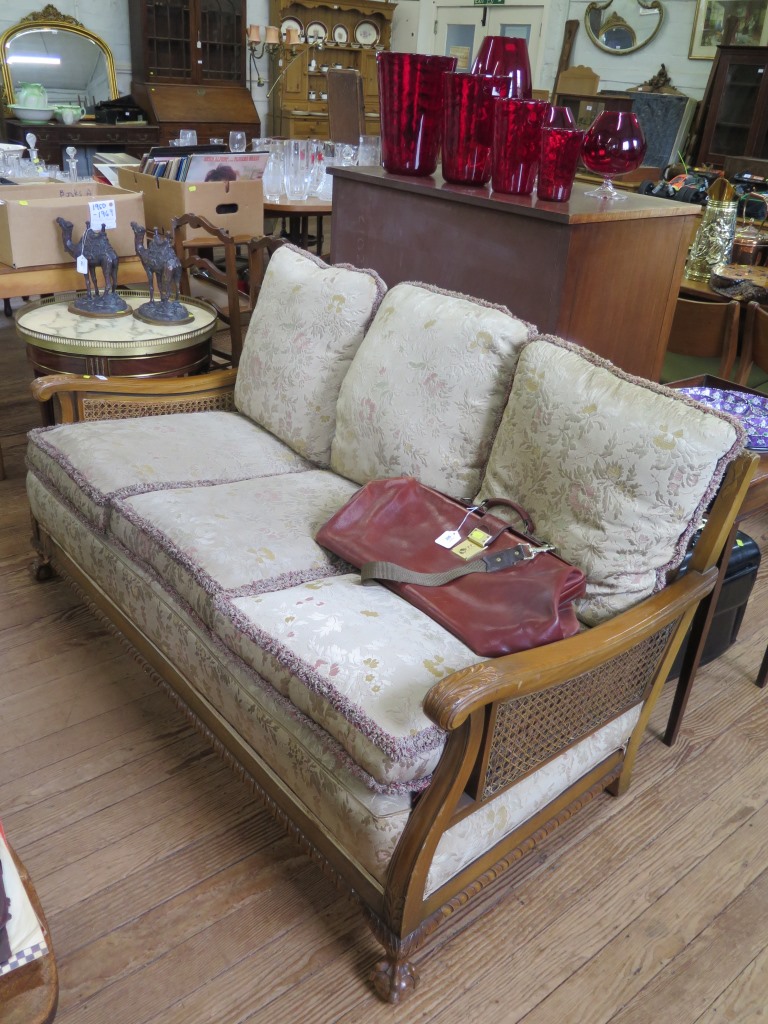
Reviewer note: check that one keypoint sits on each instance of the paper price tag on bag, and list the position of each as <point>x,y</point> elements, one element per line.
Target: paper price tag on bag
<point>103,212</point>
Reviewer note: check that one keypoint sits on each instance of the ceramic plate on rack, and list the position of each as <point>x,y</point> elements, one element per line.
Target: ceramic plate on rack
<point>317,32</point>
<point>291,23</point>
<point>752,410</point>
<point>340,35</point>
<point>366,33</point>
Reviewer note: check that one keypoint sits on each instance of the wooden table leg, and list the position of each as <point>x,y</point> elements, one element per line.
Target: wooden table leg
<point>762,675</point>
<point>697,638</point>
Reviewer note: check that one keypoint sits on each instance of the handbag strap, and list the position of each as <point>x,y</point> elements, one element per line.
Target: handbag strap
<point>526,518</point>
<point>485,563</point>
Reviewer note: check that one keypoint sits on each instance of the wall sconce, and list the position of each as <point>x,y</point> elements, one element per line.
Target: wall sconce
<point>276,47</point>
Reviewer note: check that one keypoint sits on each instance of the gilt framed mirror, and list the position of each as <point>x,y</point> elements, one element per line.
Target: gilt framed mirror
<point>623,26</point>
<point>58,52</point>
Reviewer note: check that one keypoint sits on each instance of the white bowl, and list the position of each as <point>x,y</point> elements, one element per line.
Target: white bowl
<point>32,115</point>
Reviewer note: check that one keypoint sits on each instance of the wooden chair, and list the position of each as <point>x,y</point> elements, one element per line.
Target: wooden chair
<point>753,367</point>
<point>201,278</point>
<point>579,80</point>
<point>346,107</point>
<point>703,339</point>
<point>260,251</point>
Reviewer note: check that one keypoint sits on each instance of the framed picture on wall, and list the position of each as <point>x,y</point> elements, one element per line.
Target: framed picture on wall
<point>709,22</point>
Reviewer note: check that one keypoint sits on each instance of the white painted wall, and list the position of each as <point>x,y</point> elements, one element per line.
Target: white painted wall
<point>412,30</point>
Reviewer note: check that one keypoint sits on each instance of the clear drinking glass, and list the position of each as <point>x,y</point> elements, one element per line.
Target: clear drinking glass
<point>187,137</point>
<point>369,151</point>
<point>298,169</point>
<point>237,142</point>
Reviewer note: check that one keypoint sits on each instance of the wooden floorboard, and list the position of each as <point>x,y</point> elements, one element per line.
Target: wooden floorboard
<point>174,899</point>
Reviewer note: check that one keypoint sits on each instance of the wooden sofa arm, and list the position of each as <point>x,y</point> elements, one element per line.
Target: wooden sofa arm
<point>450,702</point>
<point>92,398</point>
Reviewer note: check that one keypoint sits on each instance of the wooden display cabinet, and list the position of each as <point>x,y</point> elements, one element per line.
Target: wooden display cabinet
<point>736,120</point>
<point>188,59</point>
<point>343,22</point>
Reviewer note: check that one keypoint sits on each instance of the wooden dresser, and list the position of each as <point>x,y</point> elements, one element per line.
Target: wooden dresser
<point>605,275</point>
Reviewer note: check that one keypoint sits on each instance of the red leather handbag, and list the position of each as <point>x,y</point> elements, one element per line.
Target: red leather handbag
<point>498,591</point>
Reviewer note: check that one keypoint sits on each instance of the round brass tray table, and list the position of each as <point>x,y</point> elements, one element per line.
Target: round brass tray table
<point>62,342</point>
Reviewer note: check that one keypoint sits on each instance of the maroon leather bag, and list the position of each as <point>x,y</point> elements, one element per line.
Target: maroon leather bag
<point>498,591</point>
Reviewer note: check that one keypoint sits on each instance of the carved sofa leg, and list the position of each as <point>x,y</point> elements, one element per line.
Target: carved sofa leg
<point>394,980</point>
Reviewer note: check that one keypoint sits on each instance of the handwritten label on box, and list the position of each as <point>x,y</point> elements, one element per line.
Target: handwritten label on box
<point>102,212</point>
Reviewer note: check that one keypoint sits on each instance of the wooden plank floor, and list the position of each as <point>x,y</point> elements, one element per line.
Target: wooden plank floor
<point>173,899</point>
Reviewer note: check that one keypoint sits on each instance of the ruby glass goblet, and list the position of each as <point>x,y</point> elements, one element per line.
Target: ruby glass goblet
<point>615,144</point>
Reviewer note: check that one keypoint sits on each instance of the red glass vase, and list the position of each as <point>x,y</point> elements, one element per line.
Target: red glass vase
<point>506,56</point>
<point>468,126</point>
<point>411,106</point>
<point>516,144</point>
<point>615,144</point>
<point>560,152</point>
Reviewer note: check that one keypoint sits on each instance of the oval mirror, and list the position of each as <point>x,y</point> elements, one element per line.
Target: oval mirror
<point>50,48</point>
<point>629,25</point>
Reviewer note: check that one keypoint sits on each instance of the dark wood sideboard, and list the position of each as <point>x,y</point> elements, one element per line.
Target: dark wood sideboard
<point>605,275</point>
<point>53,139</point>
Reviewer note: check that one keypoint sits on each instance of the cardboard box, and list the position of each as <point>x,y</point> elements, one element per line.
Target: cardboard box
<point>236,206</point>
<point>29,234</point>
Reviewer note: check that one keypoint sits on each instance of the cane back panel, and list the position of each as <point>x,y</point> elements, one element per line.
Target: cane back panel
<point>530,730</point>
<point>111,408</point>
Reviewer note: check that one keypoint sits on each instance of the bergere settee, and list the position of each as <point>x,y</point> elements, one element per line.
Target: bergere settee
<point>414,771</point>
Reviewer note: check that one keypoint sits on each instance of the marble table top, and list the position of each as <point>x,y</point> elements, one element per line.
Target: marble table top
<point>50,325</point>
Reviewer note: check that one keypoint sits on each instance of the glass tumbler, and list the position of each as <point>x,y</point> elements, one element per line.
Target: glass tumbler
<point>237,142</point>
<point>516,144</point>
<point>560,152</point>
<point>298,169</point>
<point>411,106</point>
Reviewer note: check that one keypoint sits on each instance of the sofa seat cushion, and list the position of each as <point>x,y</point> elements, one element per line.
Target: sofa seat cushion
<point>307,325</point>
<point>426,390</point>
<point>358,660</point>
<point>616,471</point>
<point>302,756</point>
<point>93,463</point>
<point>241,538</point>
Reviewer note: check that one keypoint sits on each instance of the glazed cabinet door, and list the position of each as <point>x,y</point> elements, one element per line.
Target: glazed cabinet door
<point>199,41</point>
<point>737,120</point>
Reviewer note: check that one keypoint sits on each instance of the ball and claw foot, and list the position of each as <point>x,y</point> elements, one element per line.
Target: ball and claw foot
<point>394,981</point>
<point>42,570</point>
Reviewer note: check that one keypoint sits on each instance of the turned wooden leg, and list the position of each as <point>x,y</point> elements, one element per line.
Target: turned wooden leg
<point>42,569</point>
<point>394,981</point>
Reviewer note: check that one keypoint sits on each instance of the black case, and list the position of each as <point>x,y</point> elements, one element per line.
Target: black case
<point>731,605</point>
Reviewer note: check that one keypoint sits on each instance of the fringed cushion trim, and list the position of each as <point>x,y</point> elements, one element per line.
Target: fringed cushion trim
<point>381,287</point>
<point>423,742</point>
<point>533,331</point>
<point>663,572</point>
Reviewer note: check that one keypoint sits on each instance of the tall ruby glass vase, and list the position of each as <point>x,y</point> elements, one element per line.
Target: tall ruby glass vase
<point>411,105</point>
<point>516,144</point>
<point>468,126</point>
<point>614,145</point>
<point>506,56</point>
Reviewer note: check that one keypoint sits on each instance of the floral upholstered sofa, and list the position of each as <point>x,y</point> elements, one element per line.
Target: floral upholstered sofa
<point>414,771</point>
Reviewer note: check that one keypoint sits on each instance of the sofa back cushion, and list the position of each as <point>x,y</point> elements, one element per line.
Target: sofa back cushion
<point>616,471</point>
<point>308,322</point>
<point>426,389</point>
